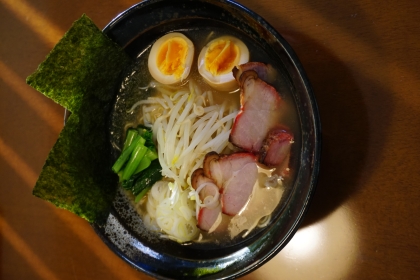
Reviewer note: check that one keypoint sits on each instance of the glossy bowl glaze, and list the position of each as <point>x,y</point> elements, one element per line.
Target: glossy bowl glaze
<point>134,30</point>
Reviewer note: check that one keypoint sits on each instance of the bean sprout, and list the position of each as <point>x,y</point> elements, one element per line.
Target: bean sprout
<point>186,125</point>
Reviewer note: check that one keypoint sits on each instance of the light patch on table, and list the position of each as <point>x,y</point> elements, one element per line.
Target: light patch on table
<point>324,250</point>
<point>45,29</point>
<point>19,165</point>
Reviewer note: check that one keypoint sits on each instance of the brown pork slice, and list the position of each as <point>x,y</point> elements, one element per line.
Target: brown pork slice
<point>236,175</point>
<point>207,216</point>
<point>198,177</point>
<point>238,189</point>
<point>221,167</point>
<point>264,71</point>
<point>208,159</point>
<point>276,147</point>
<point>260,104</point>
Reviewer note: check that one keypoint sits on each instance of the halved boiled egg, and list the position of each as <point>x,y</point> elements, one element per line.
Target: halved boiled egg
<point>170,58</point>
<point>217,59</point>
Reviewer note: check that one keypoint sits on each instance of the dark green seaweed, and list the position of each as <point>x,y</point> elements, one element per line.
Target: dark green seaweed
<point>81,74</point>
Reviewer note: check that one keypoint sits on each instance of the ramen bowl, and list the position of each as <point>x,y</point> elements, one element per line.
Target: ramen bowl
<point>124,233</point>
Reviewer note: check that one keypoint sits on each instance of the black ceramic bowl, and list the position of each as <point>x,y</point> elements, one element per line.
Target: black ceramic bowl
<point>137,28</point>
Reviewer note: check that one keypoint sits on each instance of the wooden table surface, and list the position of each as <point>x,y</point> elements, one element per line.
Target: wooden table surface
<point>363,60</point>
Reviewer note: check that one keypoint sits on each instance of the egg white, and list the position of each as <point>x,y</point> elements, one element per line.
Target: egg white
<point>152,61</point>
<point>226,81</point>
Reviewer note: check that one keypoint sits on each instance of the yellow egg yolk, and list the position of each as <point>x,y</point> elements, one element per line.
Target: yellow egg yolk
<point>221,56</point>
<point>171,57</point>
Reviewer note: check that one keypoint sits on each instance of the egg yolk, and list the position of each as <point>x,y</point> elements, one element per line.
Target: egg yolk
<point>171,57</point>
<point>221,56</point>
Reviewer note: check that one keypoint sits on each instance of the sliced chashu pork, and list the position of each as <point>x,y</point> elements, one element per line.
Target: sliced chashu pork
<point>235,175</point>
<point>265,72</point>
<point>208,217</point>
<point>260,111</point>
<point>276,147</point>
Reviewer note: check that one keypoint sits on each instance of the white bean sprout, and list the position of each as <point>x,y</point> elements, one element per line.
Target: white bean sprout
<point>186,125</point>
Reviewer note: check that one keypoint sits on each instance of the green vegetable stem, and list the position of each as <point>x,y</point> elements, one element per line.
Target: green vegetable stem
<point>144,163</point>
<point>147,179</point>
<point>135,159</point>
<point>125,155</point>
<point>151,154</point>
<point>137,166</point>
<point>131,135</point>
<point>142,193</point>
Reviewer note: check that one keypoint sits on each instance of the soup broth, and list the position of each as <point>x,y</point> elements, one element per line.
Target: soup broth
<point>266,202</point>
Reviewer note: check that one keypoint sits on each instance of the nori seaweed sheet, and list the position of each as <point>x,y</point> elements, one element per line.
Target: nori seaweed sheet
<point>81,74</point>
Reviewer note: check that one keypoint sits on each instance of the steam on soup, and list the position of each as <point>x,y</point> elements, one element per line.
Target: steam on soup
<point>223,134</point>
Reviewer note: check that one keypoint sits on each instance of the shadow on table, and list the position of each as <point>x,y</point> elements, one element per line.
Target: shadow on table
<point>345,121</point>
